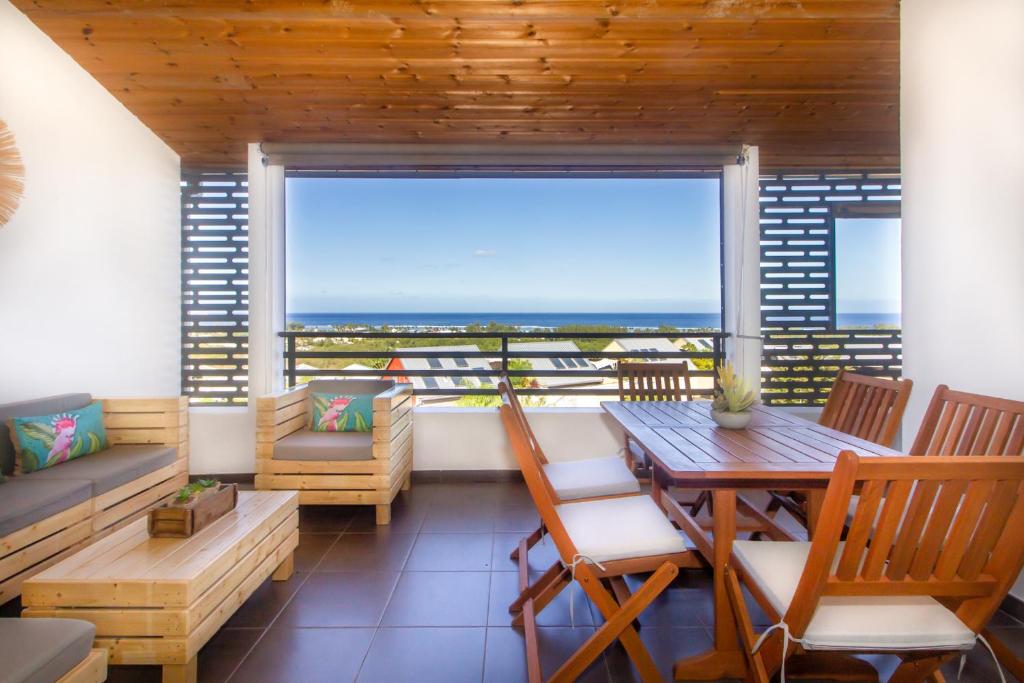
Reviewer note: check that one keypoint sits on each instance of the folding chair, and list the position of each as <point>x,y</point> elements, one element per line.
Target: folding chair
<point>598,542</point>
<point>932,550</point>
<point>870,408</point>
<point>574,479</point>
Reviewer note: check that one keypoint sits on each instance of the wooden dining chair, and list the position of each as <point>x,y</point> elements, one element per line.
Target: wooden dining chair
<point>651,382</point>
<point>598,543</point>
<point>869,408</point>
<point>932,549</point>
<point>960,423</point>
<point>571,479</point>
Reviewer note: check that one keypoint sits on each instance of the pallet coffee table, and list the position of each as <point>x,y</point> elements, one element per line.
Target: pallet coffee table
<point>159,600</point>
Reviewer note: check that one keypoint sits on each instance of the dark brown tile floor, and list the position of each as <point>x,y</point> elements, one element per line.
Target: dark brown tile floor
<point>425,599</point>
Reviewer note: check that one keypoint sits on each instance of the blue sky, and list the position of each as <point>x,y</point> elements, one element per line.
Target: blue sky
<point>536,245</point>
<point>502,245</point>
<point>868,265</point>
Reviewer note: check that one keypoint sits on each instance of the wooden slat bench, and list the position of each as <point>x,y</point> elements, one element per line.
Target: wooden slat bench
<point>129,421</point>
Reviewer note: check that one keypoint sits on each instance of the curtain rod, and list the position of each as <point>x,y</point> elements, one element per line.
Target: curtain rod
<point>369,157</point>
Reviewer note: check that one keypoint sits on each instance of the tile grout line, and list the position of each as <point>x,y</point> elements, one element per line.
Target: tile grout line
<point>277,616</point>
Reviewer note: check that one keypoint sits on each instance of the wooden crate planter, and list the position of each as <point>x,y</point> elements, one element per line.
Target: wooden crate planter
<point>181,520</point>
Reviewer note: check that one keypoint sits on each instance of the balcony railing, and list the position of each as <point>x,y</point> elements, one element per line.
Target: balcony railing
<point>798,367</point>
<point>497,360</point>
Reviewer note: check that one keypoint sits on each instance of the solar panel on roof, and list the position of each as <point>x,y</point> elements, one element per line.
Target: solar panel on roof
<point>430,382</point>
<point>569,362</point>
<point>461,363</point>
<point>434,363</point>
<point>557,363</point>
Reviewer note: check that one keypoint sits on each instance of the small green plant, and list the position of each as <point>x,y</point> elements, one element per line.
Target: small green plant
<point>187,492</point>
<point>733,394</point>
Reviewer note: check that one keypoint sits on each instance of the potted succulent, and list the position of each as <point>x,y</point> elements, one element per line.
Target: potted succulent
<point>733,399</point>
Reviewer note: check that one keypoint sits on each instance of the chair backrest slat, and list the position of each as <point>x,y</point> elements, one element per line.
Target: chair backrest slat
<point>947,527</point>
<point>654,382</point>
<point>962,532</point>
<point>960,423</point>
<point>869,408</point>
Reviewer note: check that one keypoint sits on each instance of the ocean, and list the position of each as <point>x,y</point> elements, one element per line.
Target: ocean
<point>634,321</point>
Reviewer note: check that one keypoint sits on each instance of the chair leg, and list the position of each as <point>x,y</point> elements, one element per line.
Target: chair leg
<point>543,595</point>
<point>704,498</point>
<point>1009,661</point>
<point>550,574</point>
<point>531,540</point>
<point>919,669</point>
<point>622,594</point>
<point>384,514</point>
<point>618,624</point>
<point>755,663</point>
<point>407,484</point>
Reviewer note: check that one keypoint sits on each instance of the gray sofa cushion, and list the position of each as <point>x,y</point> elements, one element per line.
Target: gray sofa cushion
<point>349,386</point>
<point>26,500</point>
<point>32,408</point>
<point>42,650</point>
<point>309,445</point>
<point>110,468</point>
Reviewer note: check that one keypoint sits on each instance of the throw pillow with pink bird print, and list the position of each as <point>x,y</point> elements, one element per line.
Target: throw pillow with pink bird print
<point>342,412</point>
<point>49,440</point>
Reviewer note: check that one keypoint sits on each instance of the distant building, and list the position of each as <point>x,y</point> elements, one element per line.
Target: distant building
<point>567,363</point>
<point>703,344</point>
<point>455,362</point>
<point>635,344</point>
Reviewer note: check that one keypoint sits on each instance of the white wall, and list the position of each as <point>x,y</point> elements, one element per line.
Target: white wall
<point>962,139</point>
<point>475,439</point>
<point>90,263</point>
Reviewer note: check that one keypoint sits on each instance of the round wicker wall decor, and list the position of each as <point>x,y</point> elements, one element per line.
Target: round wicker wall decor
<point>12,175</point>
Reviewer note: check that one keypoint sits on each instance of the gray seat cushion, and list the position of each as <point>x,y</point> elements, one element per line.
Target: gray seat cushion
<point>26,500</point>
<point>42,650</point>
<point>349,386</point>
<point>112,467</point>
<point>33,408</point>
<point>309,445</point>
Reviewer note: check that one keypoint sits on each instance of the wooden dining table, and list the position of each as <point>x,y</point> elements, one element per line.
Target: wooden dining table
<point>689,451</point>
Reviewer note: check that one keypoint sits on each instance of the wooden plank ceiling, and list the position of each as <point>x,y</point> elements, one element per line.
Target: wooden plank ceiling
<point>814,83</point>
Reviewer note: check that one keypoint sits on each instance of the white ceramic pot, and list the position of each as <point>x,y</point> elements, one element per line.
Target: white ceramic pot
<point>731,420</point>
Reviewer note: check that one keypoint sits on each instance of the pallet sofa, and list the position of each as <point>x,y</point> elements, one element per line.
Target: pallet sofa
<point>44,650</point>
<point>336,468</point>
<point>49,514</point>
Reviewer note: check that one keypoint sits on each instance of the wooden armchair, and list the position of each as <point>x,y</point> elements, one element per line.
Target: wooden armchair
<point>332,468</point>
<point>932,549</point>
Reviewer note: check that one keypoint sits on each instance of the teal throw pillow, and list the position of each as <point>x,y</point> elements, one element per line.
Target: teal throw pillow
<point>342,412</point>
<point>49,440</point>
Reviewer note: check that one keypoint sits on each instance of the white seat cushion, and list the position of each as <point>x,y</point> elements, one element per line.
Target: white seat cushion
<point>852,622</point>
<point>619,528</point>
<point>576,479</point>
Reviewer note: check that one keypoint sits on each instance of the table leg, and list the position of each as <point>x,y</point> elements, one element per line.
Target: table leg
<point>815,497</point>
<point>285,569</point>
<point>180,673</point>
<point>657,489</point>
<point>725,659</point>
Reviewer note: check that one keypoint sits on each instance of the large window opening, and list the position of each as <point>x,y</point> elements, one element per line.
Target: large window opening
<point>555,255</point>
